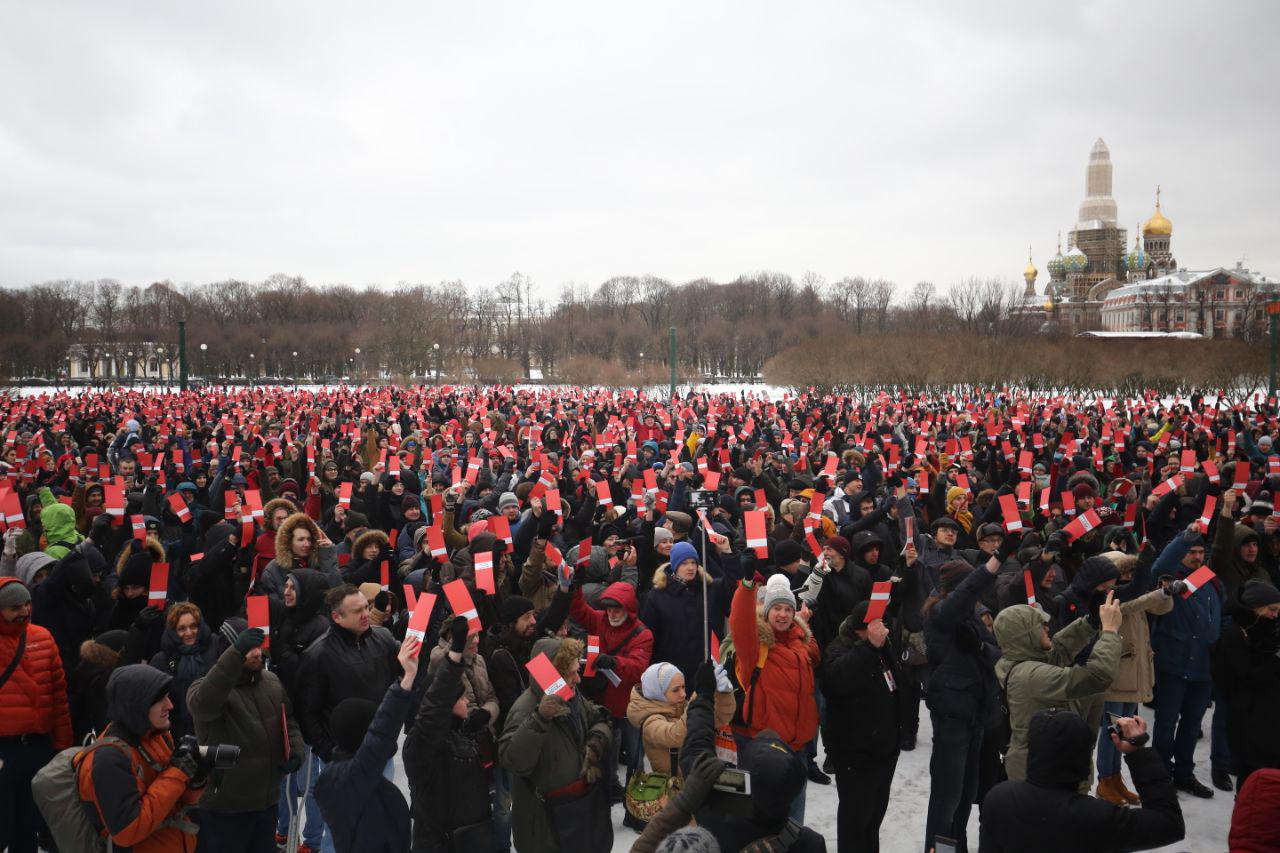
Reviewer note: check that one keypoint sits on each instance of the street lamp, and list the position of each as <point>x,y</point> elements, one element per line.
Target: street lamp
<point>353,360</point>
<point>436,349</point>
<point>253,368</point>
<point>132,370</point>
<point>204,362</point>
<point>295,370</point>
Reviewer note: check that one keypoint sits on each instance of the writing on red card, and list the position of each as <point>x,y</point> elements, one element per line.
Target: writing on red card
<point>548,677</point>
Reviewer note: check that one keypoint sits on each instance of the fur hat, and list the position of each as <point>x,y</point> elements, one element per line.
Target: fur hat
<point>951,573</point>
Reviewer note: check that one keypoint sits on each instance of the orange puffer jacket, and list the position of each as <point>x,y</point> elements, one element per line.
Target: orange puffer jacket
<point>34,699</point>
<point>782,698</point>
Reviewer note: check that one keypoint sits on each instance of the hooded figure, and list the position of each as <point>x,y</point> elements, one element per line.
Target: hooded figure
<point>1035,678</point>
<point>65,602</point>
<point>60,532</point>
<point>545,757</point>
<point>295,628</point>
<point>321,558</point>
<point>629,643</point>
<point>213,582</point>
<point>1082,597</point>
<point>1048,814</point>
<point>1246,666</point>
<point>777,777</point>
<point>1230,544</point>
<point>135,790</point>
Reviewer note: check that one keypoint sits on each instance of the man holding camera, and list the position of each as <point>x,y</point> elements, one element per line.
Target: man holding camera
<point>1047,812</point>
<point>138,784</point>
<point>238,704</point>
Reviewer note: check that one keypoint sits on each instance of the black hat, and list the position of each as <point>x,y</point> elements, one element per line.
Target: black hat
<point>990,529</point>
<point>137,569</point>
<point>349,721</point>
<point>513,607</point>
<point>951,573</point>
<point>787,552</point>
<point>1256,593</point>
<point>947,521</point>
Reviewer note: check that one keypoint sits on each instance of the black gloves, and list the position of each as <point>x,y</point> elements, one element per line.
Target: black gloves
<point>290,764</point>
<point>458,634</point>
<point>704,680</point>
<point>148,617</point>
<point>697,785</point>
<point>476,720</point>
<point>186,758</point>
<point>606,662</point>
<point>249,639</point>
<point>546,524</point>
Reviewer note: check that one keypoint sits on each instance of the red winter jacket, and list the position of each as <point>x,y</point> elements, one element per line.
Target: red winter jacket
<point>1254,827</point>
<point>34,699</point>
<point>634,654</point>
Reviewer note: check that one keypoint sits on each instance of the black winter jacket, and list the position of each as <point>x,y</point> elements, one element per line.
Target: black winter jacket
<point>864,715</point>
<point>1046,813</point>
<point>962,655</point>
<point>340,666</point>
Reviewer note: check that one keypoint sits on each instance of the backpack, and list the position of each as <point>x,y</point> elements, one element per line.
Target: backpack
<point>56,790</point>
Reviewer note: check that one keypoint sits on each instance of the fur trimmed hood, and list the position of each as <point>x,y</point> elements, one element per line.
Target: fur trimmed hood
<point>152,544</point>
<point>284,537</point>
<point>766,633</point>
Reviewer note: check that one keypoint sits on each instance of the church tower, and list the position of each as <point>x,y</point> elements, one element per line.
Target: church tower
<point>1157,234</point>
<point>1098,210</point>
<point>1029,275</point>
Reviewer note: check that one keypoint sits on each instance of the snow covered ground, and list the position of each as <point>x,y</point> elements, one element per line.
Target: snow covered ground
<point>903,828</point>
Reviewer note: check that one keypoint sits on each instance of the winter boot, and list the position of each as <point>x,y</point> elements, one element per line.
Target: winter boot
<point>1130,797</point>
<point>1222,780</point>
<point>1107,790</point>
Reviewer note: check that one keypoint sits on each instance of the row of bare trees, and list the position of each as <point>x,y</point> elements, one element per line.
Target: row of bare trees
<point>285,327</point>
<point>936,363</point>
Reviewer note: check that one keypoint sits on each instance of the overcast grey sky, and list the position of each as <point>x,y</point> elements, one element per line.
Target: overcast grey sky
<point>385,142</point>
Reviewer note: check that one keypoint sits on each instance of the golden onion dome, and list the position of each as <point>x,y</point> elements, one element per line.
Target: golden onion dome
<point>1159,224</point>
<point>1030,272</point>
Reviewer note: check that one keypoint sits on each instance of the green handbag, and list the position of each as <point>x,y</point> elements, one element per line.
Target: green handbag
<point>648,793</point>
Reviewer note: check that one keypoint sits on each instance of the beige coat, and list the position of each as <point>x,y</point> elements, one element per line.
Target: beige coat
<point>476,685</point>
<point>1136,675</point>
<point>662,724</point>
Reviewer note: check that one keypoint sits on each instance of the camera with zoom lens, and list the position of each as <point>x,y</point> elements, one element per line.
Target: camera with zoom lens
<point>215,756</point>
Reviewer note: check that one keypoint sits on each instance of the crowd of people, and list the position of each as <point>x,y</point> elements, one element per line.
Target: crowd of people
<point>223,613</point>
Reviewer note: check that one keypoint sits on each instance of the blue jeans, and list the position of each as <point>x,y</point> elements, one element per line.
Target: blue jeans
<point>501,802</point>
<point>1108,756</point>
<point>1180,707</point>
<point>624,734</point>
<point>953,783</point>
<point>313,829</point>
<point>1219,751</point>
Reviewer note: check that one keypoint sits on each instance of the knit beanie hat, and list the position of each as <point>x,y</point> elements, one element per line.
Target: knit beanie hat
<point>840,545</point>
<point>778,591</point>
<point>787,552</point>
<point>508,499</point>
<point>512,608</point>
<point>662,534</point>
<point>1254,593</point>
<point>409,502</point>
<point>689,839</point>
<point>680,552</point>
<point>656,679</point>
<point>1083,490</point>
<point>349,721</point>
<point>951,573</point>
<point>13,593</point>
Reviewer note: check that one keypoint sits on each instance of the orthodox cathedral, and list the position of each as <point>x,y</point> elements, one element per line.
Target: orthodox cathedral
<point>1103,283</point>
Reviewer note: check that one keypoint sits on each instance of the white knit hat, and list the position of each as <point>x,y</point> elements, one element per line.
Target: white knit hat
<point>778,591</point>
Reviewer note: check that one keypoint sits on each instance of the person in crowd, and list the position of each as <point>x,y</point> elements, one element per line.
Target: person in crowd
<point>35,720</point>
<point>1182,640</point>
<point>240,703</point>
<point>658,709</point>
<point>299,545</point>
<point>555,750</point>
<point>297,621</point>
<point>353,658</point>
<point>776,661</point>
<point>737,821</point>
<point>963,695</point>
<point>447,754</point>
<point>363,809</point>
<point>1036,671</point>
<point>187,653</point>
<point>140,790</point>
<point>862,729</point>
<point>1047,812</point>
<point>1254,828</point>
<point>1246,666</point>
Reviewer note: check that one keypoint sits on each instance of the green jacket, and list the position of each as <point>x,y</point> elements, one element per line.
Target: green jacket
<point>1227,563</point>
<point>543,757</point>
<point>1046,678</point>
<point>59,522</point>
<point>245,709</point>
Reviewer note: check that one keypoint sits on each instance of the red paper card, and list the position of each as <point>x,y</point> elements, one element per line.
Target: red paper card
<point>755,522</point>
<point>879,601</point>
<point>1198,579</point>
<point>455,592</point>
<point>484,572</point>
<point>258,610</point>
<point>158,590</point>
<point>548,677</point>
